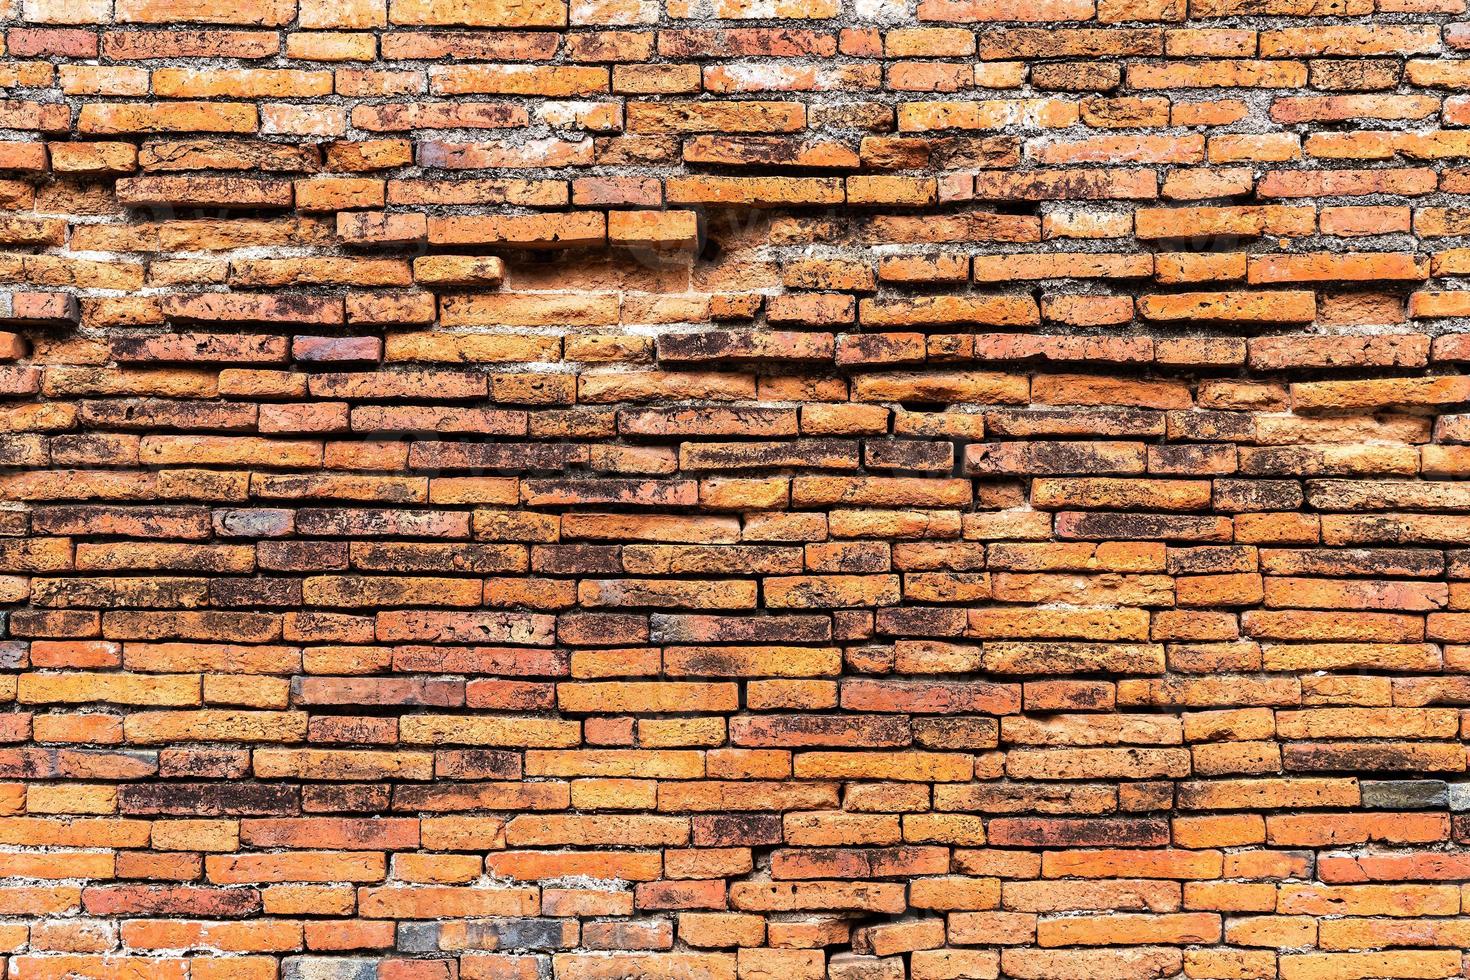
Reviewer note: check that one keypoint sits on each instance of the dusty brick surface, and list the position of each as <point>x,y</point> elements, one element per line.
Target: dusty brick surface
<point>734,489</point>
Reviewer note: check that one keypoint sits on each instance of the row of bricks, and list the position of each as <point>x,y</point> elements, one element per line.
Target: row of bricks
<point>880,344</point>
<point>658,227</point>
<point>1031,884</point>
<point>1197,487</point>
<point>1263,353</point>
<point>241,816</point>
<point>831,586</point>
<point>102,159</point>
<point>679,228</point>
<point>1186,181</point>
<point>912,694</point>
<point>1243,221</point>
<point>589,228</point>
<point>656,542</point>
<point>713,930</point>
<point>1106,612</point>
<point>1140,763</point>
<point>762,744</point>
<point>902,694</point>
<point>1227,225</point>
<point>1294,905</point>
<point>904,73</point>
<point>1230,225</point>
<point>1301,579</point>
<point>995,390</point>
<point>1314,577</point>
<point>1201,924</point>
<point>367,14</point>
<point>964,155</point>
<point>1125,963</point>
<point>1085,640</point>
<point>921,695</point>
<point>1039,460</point>
<point>152,635</point>
<point>876,347</point>
<point>268,819</point>
<point>1222,418</point>
<point>760,803</point>
<point>556,13</point>
<point>1384,43</point>
<point>787,691</point>
<point>368,310</point>
<point>713,116</point>
<point>768,774</point>
<point>707,930</point>
<point>935,574</point>
<point>892,41</point>
<point>1007,572</point>
<point>915,694</point>
<point>1281,459</point>
<point>1267,528</point>
<point>687,884</point>
<point>798,671</point>
<point>877,705</point>
<point>753,116</point>
<point>352,849</point>
<point>1122,963</point>
<point>774,591</point>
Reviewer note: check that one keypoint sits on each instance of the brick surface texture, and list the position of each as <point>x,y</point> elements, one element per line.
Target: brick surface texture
<point>734,489</point>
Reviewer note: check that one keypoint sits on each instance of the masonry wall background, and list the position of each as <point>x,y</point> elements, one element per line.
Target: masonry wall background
<point>734,489</point>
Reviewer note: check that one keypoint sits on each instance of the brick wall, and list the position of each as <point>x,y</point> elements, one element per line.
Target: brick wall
<point>734,489</point>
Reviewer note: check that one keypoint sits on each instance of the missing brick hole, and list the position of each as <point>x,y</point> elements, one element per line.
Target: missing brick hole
<point>1020,208</point>
<point>709,249</point>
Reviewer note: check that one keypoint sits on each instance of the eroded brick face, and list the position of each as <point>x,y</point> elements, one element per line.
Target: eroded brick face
<point>734,489</point>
